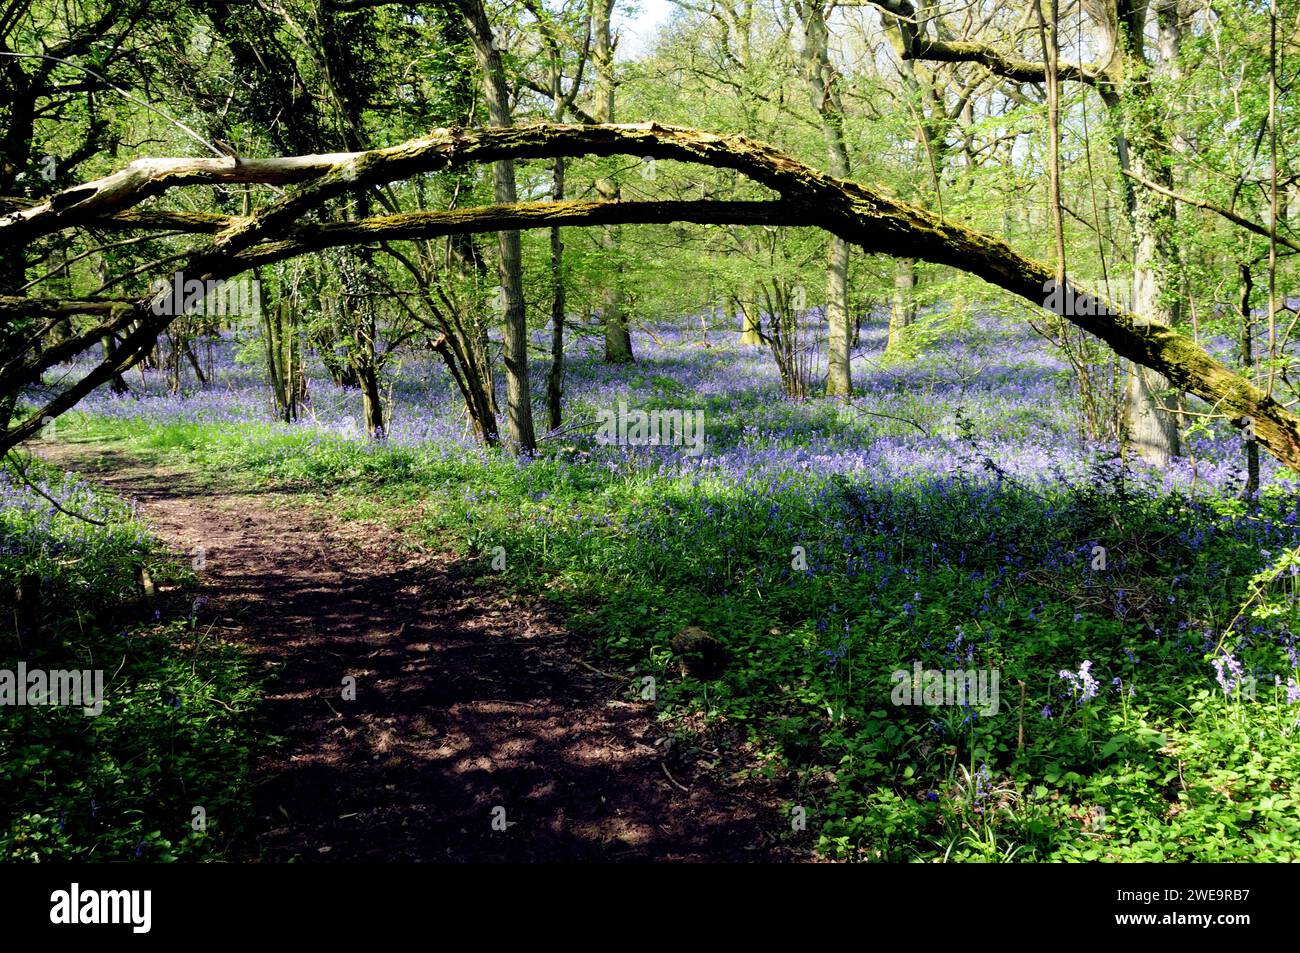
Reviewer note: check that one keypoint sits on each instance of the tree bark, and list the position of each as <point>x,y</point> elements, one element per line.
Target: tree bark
<point>1152,430</point>
<point>372,404</point>
<point>1247,355</point>
<point>555,377</point>
<point>1123,79</point>
<point>496,95</point>
<point>822,78</point>
<point>109,344</point>
<point>618,339</point>
<point>902,311</point>
<point>871,219</point>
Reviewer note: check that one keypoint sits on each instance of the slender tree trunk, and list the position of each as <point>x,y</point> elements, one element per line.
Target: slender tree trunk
<point>357,314</point>
<point>1152,428</point>
<point>1144,146</point>
<point>496,95</point>
<point>749,333</point>
<point>1048,33</point>
<point>555,378</point>
<point>618,339</point>
<point>280,358</point>
<point>1248,364</point>
<point>822,79</point>
<point>194,364</point>
<point>471,329</point>
<point>365,364</point>
<point>372,405</point>
<point>109,344</point>
<point>902,311</point>
<point>839,378</point>
<point>929,124</point>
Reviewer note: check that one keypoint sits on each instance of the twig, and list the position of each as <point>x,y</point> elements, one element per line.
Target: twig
<point>901,420</point>
<point>1020,739</point>
<point>1231,216</point>
<point>564,431</point>
<point>668,775</point>
<point>121,92</point>
<point>592,668</point>
<point>55,503</point>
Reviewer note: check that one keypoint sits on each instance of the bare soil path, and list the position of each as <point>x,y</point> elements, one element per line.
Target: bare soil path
<point>467,700</point>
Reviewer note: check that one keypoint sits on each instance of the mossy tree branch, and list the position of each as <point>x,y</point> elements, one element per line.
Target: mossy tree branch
<point>854,212</point>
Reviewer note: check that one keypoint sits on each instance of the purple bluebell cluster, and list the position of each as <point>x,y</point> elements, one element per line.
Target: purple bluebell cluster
<point>1229,673</point>
<point>990,407</point>
<point>1083,687</point>
<point>999,379</point>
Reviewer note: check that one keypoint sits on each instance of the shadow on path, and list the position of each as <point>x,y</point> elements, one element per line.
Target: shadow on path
<point>467,700</point>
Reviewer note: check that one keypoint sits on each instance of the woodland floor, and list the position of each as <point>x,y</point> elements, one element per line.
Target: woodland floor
<point>467,699</point>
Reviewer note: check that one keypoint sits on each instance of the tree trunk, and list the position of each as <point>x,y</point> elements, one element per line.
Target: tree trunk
<point>555,378</point>
<point>749,330</point>
<point>282,357</point>
<point>1143,145</point>
<point>1248,364</point>
<point>468,261</point>
<point>496,95</point>
<point>194,363</point>
<point>372,405</point>
<point>109,344</point>
<point>857,213</point>
<point>822,80</point>
<point>357,312</point>
<point>839,379</point>
<point>618,339</point>
<point>902,311</point>
<point>1152,428</point>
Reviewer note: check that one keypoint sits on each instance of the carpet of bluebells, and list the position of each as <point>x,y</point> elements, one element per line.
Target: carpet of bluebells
<point>1141,623</point>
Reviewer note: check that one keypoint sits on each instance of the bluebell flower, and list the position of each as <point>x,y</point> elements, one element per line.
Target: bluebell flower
<point>1083,684</point>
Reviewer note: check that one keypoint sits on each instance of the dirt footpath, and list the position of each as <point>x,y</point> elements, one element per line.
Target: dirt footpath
<point>471,707</point>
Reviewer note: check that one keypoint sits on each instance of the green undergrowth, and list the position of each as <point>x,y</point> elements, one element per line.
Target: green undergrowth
<point>161,771</point>
<point>1112,739</point>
